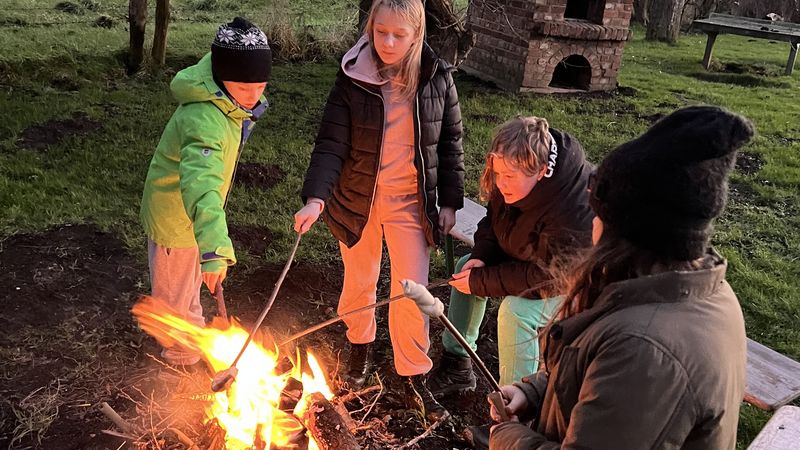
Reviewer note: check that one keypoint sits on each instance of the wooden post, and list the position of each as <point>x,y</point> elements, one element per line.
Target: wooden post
<point>712,37</point>
<point>160,36</point>
<point>137,19</point>
<point>792,57</point>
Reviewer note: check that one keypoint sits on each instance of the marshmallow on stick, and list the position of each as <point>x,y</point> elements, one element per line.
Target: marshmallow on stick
<point>426,302</point>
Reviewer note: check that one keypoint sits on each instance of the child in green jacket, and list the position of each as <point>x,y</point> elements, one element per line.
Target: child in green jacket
<point>190,175</point>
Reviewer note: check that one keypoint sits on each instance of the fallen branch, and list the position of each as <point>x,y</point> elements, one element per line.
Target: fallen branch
<point>354,395</point>
<point>109,412</point>
<point>119,435</point>
<point>326,425</point>
<point>374,401</point>
<point>425,434</point>
<point>185,440</point>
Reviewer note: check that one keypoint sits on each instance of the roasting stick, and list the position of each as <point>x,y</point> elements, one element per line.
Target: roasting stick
<point>340,317</point>
<point>433,307</point>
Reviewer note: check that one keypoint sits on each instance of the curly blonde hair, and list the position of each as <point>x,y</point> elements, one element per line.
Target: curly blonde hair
<point>524,141</point>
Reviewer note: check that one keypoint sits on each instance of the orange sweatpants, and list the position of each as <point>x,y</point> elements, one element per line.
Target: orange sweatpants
<point>396,218</point>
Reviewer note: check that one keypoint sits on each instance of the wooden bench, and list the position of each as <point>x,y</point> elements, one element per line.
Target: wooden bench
<point>745,26</point>
<point>773,380</point>
<point>782,432</point>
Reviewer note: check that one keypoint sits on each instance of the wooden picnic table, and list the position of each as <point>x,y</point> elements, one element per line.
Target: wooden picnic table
<point>745,26</point>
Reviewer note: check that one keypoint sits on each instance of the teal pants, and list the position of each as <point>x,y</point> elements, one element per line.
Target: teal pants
<point>518,320</point>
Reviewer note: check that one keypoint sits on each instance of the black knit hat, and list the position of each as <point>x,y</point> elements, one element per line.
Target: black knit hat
<point>240,52</point>
<point>662,190</point>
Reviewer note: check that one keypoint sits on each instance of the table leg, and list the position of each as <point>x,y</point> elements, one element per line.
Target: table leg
<point>448,255</point>
<point>712,37</point>
<point>792,57</point>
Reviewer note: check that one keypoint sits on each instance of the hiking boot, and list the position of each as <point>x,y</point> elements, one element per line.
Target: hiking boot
<point>419,397</point>
<point>359,365</point>
<point>453,376</point>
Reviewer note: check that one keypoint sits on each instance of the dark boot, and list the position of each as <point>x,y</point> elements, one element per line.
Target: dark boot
<point>453,376</point>
<point>358,365</point>
<point>419,397</point>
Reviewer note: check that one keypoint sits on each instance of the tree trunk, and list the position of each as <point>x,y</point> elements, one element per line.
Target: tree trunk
<point>363,12</point>
<point>665,20</point>
<point>640,10</point>
<point>447,33</point>
<point>137,19</point>
<point>160,36</point>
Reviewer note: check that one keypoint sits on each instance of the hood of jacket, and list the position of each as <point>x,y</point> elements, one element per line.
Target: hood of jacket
<point>196,84</point>
<point>359,63</point>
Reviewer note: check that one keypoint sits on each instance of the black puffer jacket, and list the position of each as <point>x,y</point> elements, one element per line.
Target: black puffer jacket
<point>346,157</point>
<point>518,241</point>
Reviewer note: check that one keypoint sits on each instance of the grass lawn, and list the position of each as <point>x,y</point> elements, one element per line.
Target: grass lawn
<point>93,170</point>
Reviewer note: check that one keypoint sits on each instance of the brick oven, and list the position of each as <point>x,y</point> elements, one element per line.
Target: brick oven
<point>548,45</point>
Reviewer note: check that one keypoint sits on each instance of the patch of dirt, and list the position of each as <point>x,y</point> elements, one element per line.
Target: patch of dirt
<point>40,137</point>
<point>748,163</point>
<point>254,239</point>
<point>261,176</point>
<point>67,335</point>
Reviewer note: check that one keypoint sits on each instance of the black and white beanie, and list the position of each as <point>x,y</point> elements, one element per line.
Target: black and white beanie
<point>662,190</point>
<point>240,52</point>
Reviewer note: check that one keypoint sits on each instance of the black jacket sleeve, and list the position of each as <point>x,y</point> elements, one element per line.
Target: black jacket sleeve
<point>487,249</point>
<point>332,146</point>
<point>450,171</point>
<point>530,279</point>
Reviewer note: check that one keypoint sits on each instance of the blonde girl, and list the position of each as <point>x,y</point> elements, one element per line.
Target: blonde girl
<point>388,166</point>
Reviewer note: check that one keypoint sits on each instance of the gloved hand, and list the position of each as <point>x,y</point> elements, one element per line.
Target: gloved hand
<point>308,214</point>
<point>447,219</point>
<point>211,279</point>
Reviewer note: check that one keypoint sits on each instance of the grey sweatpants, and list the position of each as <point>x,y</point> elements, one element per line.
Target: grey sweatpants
<point>176,280</point>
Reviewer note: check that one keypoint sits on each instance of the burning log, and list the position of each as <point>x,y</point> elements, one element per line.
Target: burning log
<point>327,427</point>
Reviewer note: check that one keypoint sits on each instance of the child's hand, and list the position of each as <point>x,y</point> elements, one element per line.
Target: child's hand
<point>307,215</point>
<point>447,218</point>
<point>516,402</point>
<point>211,279</point>
<point>461,279</point>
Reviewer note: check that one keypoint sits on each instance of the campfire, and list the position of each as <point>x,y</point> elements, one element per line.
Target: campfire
<point>269,405</point>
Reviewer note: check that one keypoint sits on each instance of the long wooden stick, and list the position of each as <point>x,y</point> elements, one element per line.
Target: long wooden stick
<point>341,317</point>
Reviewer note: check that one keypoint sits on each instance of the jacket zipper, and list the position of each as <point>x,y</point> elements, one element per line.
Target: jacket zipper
<point>422,164</point>
<point>380,152</point>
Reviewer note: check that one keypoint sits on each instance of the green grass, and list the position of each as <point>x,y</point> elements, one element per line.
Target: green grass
<point>97,177</point>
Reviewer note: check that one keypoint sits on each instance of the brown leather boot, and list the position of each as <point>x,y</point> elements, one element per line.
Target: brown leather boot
<point>419,397</point>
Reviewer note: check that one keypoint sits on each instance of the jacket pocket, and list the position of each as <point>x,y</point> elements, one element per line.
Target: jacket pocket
<point>567,384</point>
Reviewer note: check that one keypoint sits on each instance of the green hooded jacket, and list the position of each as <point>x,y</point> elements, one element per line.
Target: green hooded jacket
<point>191,172</point>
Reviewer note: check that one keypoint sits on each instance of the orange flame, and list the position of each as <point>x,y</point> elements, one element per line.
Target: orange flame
<point>248,410</point>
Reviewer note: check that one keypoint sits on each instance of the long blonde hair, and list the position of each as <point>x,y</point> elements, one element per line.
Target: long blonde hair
<point>525,141</point>
<point>407,75</point>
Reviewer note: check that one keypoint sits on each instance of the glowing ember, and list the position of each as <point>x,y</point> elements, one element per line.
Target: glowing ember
<point>248,411</point>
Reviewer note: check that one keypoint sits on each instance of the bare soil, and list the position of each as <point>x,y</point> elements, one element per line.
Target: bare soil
<point>261,176</point>
<point>40,137</point>
<point>69,342</point>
